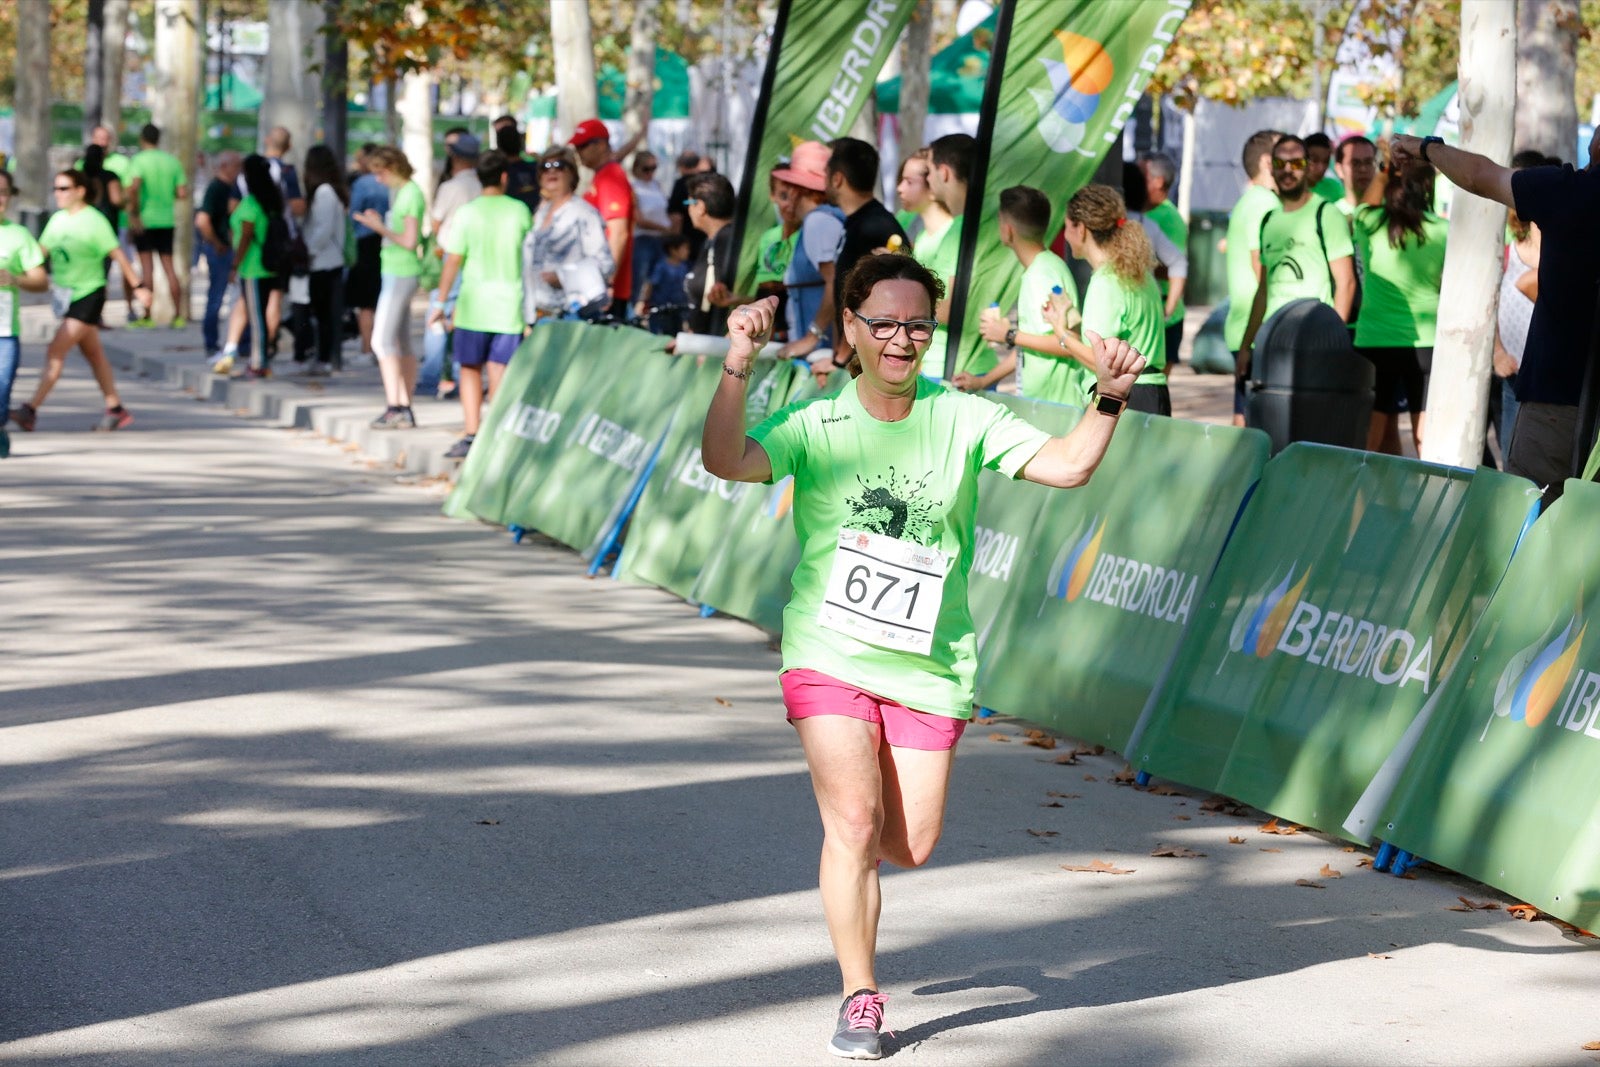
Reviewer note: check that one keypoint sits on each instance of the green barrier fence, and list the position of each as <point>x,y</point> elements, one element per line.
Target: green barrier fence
<point>683,515</point>
<point>1341,602</point>
<point>1114,573</point>
<point>1505,780</point>
<point>1007,508</point>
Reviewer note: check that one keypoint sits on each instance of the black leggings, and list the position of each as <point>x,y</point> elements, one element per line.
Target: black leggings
<point>327,305</point>
<point>1151,399</point>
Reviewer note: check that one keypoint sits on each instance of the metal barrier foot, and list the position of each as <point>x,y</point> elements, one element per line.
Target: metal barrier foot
<point>985,713</point>
<point>1142,779</point>
<point>706,611</point>
<point>516,534</point>
<point>1385,857</point>
<point>1404,863</point>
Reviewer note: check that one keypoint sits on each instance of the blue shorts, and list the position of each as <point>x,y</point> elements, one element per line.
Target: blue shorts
<point>475,348</point>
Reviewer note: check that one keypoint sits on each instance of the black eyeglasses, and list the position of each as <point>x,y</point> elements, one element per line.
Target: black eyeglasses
<point>919,330</point>
<point>1288,164</point>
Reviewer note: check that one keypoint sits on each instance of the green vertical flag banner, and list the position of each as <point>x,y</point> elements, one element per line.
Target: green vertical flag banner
<point>1070,73</point>
<point>1343,600</point>
<point>683,515</point>
<point>1504,784</point>
<point>1111,574</point>
<point>823,64</point>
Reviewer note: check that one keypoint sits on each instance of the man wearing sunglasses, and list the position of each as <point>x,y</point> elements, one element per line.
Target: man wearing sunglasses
<point>1305,248</point>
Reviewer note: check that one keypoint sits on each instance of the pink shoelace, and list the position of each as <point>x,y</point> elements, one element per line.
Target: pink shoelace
<point>865,1012</point>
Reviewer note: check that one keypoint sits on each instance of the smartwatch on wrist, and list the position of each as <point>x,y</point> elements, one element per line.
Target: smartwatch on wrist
<point>1011,337</point>
<point>1426,141</point>
<point>1106,404</point>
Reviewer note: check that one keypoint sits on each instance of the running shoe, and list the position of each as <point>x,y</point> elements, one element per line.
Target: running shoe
<point>860,1019</point>
<point>114,419</point>
<point>141,324</point>
<point>392,419</point>
<point>318,369</point>
<point>5,445</point>
<point>25,416</point>
<point>179,322</point>
<point>258,372</point>
<point>223,365</point>
<point>460,449</point>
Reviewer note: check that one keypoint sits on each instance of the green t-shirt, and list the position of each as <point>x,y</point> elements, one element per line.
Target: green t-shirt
<point>1112,308</point>
<point>1295,258</point>
<point>19,253</point>
<point>940,252</point>
<point>1165,216</point>
<point>160,175</point>
<point>1244,236</point>
<point>775,252</point>
<point>1062,380</point>
<point>915,480</point>
<point>407,203</point>
<point>1400,294</point>
<point>78,243</point>
<point>251,211</point>
<point>1330,189</point>
<point>488,232</point>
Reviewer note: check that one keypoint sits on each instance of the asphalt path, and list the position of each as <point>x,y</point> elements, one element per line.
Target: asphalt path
<point>294,771</point>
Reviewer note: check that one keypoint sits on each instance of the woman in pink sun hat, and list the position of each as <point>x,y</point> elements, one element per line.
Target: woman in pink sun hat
<point>809,279</point>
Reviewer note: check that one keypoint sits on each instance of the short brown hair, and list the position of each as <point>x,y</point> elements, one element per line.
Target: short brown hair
<point>388,157</point>
<point>865,276</point>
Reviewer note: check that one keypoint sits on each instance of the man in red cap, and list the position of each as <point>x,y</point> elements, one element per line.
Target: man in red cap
<point>611,193</point>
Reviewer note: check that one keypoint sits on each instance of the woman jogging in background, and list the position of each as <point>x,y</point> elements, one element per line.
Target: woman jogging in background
<point>78,239</point>
<point>878,645</point>
<point>1402,243</point>
<point>401,231</point>
<point>1123,300</point>
<point>249,225</point>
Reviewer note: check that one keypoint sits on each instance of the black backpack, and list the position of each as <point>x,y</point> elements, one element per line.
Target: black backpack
<point>283,250</point>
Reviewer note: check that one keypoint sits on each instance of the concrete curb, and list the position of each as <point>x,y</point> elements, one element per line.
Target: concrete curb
<point>339,409</point>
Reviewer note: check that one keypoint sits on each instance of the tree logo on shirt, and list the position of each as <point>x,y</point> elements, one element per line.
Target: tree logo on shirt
<point>894,507</point>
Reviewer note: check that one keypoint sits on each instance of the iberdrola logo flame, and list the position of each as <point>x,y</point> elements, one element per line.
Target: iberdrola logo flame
<point>1076,82</point>
<point>1264,617</point>
<point>1075,562</point>
<point>1534,679</point>
<point>780,499</point>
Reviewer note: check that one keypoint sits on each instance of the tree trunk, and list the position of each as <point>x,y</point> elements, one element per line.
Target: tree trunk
<point>640,105</point>
<point>335,86</point>
<point>915,56</point>
<point>416,128</point>
<point>114,39</point>
<point>1547,74</point>
<point>32,137</point>
<point>94,66</point>
<point>1458,392</point>
<point>180,62</point>
<point>391,111</point>
<point>572,41</point>
<point>293,90</point>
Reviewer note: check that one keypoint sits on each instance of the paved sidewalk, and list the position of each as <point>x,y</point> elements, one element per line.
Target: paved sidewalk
<point>296,772</point>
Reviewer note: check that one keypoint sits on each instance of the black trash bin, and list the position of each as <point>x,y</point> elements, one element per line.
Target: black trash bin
<point>1306,381</point>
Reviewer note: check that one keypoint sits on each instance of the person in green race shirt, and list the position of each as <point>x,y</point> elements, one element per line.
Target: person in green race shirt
<point>1243,246</point>
<point>878,644</point>
<point>21,267</point>
<point>157,184</point>
<point>484,246</point>
<point>1159,174</point>
<point>1122,300</point>
<point>934,221</point>
<point>953,158</point>
<point>1046,371</point>
<point>1319,153</point>
<point>401,231</point>
<point>1404,243</point>
<point>78,239</point>
<point>248,225</point>
<point>1305,248</point>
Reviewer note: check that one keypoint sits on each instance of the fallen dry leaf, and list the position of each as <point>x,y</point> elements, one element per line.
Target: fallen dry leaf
<point>1379,956</point>
<point>1329,872</point>
<point>1053,804</point>
<point>999,737</point>
<point>1218,804</point>
<point>1090,750</point>
<point>1591,1046</point>
<point>1164,791</point>
<point>1349,848</point>
<point>724,703</point>
<point>1041,742</point>
<point>1473,905</point>
<point>1098,867</point>
<point>1067,758</point>
<point>1090,778</point>
<point>1126,776</point>
<point>1235,840</point>
<point>1177,852</point>
<point>488,822</point>
<point>1036,734</point>
<point>1364,861</point>
<point>1182,818</point>
<point>1273,826</point>
<point>1044,833</point>
<point>1309,884</point>
<point>1270,850</point>
<point>1525,912</point>
<point>1062,796</point>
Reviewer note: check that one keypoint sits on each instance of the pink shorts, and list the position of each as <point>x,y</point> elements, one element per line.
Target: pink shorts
<point>807,692</point>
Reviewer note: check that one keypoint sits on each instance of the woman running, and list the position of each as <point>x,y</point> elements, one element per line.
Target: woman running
<point>78,239</point>
<point>878,645</point>
<point>401,231</point>
<point>248,224</point>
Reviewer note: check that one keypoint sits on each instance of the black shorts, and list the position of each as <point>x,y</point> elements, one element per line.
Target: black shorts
<point>87,308</point>
<point>1401,376</point>
<point>158,241</point>
<point>361,286</point>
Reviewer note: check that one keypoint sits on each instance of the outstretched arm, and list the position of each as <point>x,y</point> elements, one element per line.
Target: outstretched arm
<point>1067,462</point>
<point>724,448</point>
<point>1474,173</point>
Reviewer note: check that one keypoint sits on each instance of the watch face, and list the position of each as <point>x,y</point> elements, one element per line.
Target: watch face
<point>1109,405</point>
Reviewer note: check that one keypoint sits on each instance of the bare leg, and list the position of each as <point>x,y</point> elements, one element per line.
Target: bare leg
<point>236,320</point>
<point>395,392</point>
<point>364,326</point>
<point>915,785</point>
<point>497,373</point>
<point>173,286</point>
<point>89,343</point>
<point>147,266</point>
<point>1417,420</point>
<point>55,357</point>
<point>470,389</point>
